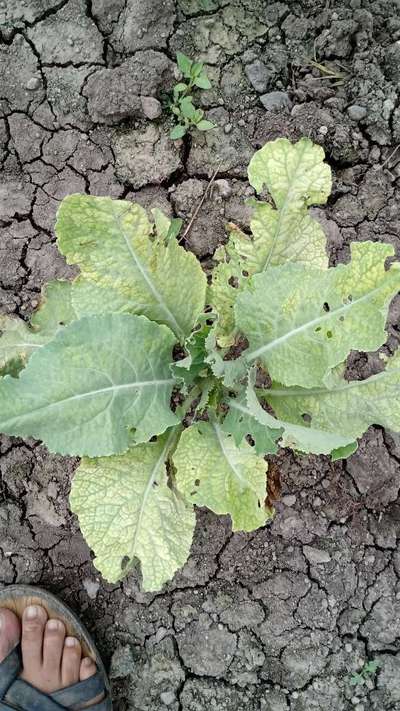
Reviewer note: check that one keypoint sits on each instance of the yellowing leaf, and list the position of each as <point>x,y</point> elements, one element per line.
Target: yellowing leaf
<point>111,242</point>
<point>212,471</point>
<point>301,321</point>
<point>296,177</point>
<point>19,339</point>
<point>128,512</point>
<point>343,407</point>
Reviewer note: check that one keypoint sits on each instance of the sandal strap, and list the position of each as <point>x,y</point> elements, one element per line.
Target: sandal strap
<point>72,697</point>
<point>24,697</point>
<point>10,668</point>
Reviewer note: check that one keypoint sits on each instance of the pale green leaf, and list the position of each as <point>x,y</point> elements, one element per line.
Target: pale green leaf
<point>177,132</point>
<point>205,125</point>
<point>184,64</point>
<point>128,512</point>
<point>240,423</point>
<point>347,408</point>
<point>102,384</point>
<point>19,339</point>
<point>212,471</point>
<point>297,434</point>
<point>202,81</point>
<point>296,177</point>
<point>291,172</point>
<point>111,242</point>
<point>301,321</point>
<point>161,221</point>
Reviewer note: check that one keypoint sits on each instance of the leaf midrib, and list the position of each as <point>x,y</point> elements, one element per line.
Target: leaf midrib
<point>152,478</point>
<point>146,277</point>
<point>310,324</point>
<point>246,484</point>
<point>82,396</point>
<point>281,212</point>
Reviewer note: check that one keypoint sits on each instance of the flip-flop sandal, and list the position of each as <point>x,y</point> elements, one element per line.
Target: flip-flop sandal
<point>17,694</point>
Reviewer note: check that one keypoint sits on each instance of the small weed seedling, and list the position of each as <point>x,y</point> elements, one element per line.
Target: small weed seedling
<point>368,670</point>
<point>173,389</point>
<point>181,104</point>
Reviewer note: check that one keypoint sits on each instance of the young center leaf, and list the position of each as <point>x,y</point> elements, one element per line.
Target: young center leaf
<point>212,471</point>
<point>296,177</point>
<point>128,512</point>
<point>344,407</point>
<point>20,339</point>
<point>102,384</point>
<point>240,422</point>
<point>111,241</point>
<point>301,321</point>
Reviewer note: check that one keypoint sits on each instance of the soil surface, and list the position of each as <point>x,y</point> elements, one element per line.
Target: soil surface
<point>282,618</point>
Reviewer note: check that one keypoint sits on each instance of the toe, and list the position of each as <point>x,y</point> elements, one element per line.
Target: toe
<point>71,661</point>
<point>88,669</point>
<point>33,623</point>
<point>53,647</point>
<point>10,632</point>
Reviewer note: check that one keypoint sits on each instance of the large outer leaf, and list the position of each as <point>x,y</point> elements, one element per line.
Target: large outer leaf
<point>127,511</point>
<point>110,240</point>
<point>212,471</point>
<point>347,408</point>
<point>85,392</point>
<point>296,177</point>
<point>295,433</point>
<point>19,339</point>
<point>301,321</point>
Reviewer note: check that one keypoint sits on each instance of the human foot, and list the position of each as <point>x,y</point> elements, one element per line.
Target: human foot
<point>51,660</point>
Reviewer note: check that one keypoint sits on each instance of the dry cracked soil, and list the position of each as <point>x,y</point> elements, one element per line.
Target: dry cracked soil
<point>279,619</point>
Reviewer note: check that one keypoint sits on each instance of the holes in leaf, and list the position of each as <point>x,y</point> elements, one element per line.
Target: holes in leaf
<point>326,307</point>
<point>341,318</point>
<point>233,282</point>
<point>318,329</point>
<point>197,482</point>
<point>244,273</point>
<point>329,334</point>
<point>125,562</point>
<point>306,417</point>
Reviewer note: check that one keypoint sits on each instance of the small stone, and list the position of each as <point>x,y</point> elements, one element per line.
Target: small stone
<point>224,188</point>
<point>276,101</point>
<point>151,107</point>
<point>70,41</point>
<point>289,500</point>
<point>241,123</point>
<point>33,83</point>
<point>168,697</point>
<point>228,128</point>
<point>359,707</point>
<point>317,501</point>
<point>356,112</point>
<point>355,700</point>
<point>316,556</point>
<point>91,587</point>
<point>348,648</point>
<point>256,73</point>
<point>323,130</point>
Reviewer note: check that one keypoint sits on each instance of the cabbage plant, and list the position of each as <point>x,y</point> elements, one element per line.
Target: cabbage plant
<point>173,389</point>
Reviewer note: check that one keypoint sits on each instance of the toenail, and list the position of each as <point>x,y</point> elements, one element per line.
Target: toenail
<point>32,612</point>
<point>53,625</point>
<point>70,642</point>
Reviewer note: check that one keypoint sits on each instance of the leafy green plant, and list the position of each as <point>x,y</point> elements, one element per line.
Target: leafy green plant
<point>172,390</point>
<point>181,104</point>
<point>368,670</point>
